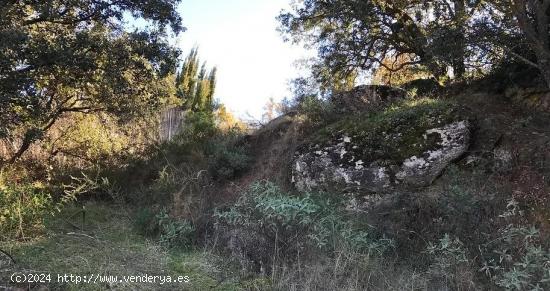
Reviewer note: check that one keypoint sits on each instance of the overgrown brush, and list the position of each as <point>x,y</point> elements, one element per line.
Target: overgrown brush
<point>25,204</point>
<point>450,265</point>
<point>294,223</point>
<point>22,210</point>
<point>517,258</point>
<point>170,232</point>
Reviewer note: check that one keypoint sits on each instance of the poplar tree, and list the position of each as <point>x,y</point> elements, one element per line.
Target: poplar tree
<point>196,87</point>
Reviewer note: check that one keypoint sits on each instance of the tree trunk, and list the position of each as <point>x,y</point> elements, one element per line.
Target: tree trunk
<point>459,54</point>
<point>534,26</point>
<point>459,69</point>
<point>30,137</point>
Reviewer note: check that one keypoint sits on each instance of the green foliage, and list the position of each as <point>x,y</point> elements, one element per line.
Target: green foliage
<point>518,260</point>
<point>175,232</point>
<point>422,87</point>
<point>227,156</point>
<point>266,205</point>
<point>400,37</point>
<point>352,35</point>
<point>62,57</point>
<point>315,220</point>
<point>317,110</point>
<point>199,127</point>
<point>196,87</point>
<point>24,205</point>
<point>171,232</point>
<point>223,151</point>
<point>449,261</point>
<point>145,222</point>
<point>23,208</point>
<point>332,230</point>
<point>395,133</point>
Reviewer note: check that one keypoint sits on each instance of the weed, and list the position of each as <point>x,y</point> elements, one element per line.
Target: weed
<point>450,263</point>
<point>22,210</point>
<point>315,220</point>
<point>175,233</point>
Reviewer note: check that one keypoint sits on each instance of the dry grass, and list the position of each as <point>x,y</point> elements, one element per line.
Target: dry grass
<point>105,244</point>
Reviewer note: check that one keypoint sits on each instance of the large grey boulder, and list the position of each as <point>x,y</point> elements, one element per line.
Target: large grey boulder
<point>454,140</point>
<point>375,153</point>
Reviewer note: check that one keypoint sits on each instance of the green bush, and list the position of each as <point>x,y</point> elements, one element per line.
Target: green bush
<point>198,128</point>
<point>266,208</point>
<point>318,111</point>
<point>450,263</point>
<point>24,205</point>
<point>518,260</point>
<point>146,223</point>
<point>175,233</point>
<point>227,156</point>
<point>170,232</point>
<point>22,210</point>
<point>317,220</point>
<point>422,87</point>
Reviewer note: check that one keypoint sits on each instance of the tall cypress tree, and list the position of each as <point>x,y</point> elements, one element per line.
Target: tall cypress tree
<point>212,83</point>
<point>196,87</point>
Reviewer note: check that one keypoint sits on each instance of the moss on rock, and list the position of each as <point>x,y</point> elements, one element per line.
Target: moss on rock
<point>394,134</point>
<point>409,142</point>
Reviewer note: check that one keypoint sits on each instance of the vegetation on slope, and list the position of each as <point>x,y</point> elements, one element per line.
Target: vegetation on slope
<point>87,186</point>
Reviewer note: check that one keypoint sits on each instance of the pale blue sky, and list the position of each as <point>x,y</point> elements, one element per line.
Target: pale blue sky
<point>240,38</point>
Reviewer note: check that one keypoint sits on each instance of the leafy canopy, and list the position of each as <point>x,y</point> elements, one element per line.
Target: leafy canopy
<point>58,57</point>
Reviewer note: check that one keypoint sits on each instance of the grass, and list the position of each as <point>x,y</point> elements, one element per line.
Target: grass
<point>105,243</point>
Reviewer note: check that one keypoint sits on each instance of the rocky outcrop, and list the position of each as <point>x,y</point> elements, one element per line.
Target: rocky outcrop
<point>375,153</point>
<point>332,167</point>
<point>454,140</point>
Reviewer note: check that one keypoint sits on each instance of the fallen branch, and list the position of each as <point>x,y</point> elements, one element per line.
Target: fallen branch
<point>81,234</point>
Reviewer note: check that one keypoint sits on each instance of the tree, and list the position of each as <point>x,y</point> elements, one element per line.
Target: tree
<point>533,20</point>
<point>397,78</point>
<point>355,35</point>
<point>515,29</point>
<point>61,57</point>
<point>196,87</point>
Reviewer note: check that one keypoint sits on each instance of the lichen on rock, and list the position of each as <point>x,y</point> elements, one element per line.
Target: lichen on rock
<point>454,141</point>
<point>408,143</point>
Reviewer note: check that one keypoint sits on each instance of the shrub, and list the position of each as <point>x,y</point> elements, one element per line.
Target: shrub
<point>146,223</point>
<point>517,260</point>
<point>450,263</point>
<point>170,232</point>
<point>318,111</point>
<point>175,233</point>
<point>22,210</point>
<point>266,208</point>
<point>25,204</point>
<point>422,87</point>
<point>316,220</point>
<point>227,156</point>
<point>198,127</point>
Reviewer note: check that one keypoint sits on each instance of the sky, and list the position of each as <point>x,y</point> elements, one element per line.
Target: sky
<point>240,38</point>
